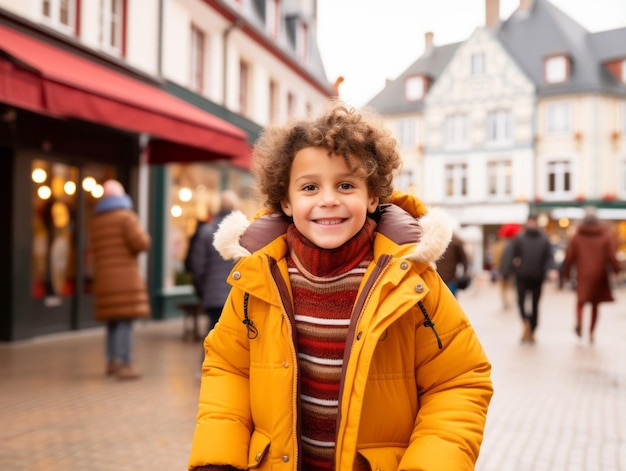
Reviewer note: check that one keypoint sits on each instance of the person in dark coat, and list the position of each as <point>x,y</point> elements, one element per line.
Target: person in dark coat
<point>448,265</point>
<point>592,251</point>
<point>120,293</point>
<point>531,260</point>
<point>208,268</point>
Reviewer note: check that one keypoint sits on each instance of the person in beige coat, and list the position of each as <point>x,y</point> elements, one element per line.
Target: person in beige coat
<point>120,294</point>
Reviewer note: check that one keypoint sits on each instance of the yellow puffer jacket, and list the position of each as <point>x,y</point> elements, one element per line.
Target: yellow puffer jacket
<point>416,384</point>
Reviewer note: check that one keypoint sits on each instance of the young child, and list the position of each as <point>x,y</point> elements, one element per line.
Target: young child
<point>339,346</point>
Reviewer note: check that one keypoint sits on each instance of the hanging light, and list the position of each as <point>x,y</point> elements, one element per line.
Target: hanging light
<point>185,194</point>
<point>44,192</point>
<point>89,183</point>
<point>69,187</point>
<point>97,191</point>
<point>176,211</point>
<point>39,175</point>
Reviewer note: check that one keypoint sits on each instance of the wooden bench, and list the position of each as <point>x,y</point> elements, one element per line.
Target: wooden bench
<point>191,322</point>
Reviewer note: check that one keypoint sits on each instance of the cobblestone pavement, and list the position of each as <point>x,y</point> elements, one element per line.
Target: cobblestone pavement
<point>559,405</point>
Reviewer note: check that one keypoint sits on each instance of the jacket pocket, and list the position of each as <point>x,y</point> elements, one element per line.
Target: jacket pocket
<point>259,444</point>
<point>383,458</point>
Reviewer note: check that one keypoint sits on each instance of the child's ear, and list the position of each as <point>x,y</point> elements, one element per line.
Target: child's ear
<point>372,203</point>
<point>286,208</point>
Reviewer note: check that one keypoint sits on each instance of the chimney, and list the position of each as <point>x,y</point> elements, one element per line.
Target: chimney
<point>525,5</point>
<point>428,37</point>
<point>492,13</point>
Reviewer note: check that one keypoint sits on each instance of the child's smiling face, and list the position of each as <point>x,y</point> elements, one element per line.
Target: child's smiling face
<point>326,199</point>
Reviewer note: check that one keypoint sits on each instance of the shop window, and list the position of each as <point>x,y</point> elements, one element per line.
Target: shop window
<point>194,197</point>
<point>54,188</point>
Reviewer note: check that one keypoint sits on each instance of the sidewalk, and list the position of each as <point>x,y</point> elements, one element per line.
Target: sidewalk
<point>559,405</point>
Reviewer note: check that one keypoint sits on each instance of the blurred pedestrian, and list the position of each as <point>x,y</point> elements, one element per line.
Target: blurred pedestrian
<point>120,295</point>
<point>502,262</point>
<point>531,261</point>
<point>327,354</point>
<point>592,250</point>
<point>453,265</point>
<point>210,271</point>
<point>189,254</point>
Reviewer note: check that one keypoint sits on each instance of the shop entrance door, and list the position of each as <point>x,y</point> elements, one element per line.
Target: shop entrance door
<point>63,199</point>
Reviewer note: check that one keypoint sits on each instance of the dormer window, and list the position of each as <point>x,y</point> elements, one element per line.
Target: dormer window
<point>298,35</point>
<point>302,41</point>
<point>478,64</point>
<point>272,18</point>
<point>415,88</point>
<point>557,69</point>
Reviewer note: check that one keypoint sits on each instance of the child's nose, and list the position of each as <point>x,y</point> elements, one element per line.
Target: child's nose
<point>329,198</point>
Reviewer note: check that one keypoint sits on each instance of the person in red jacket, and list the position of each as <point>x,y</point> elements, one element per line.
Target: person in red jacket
<point>592,251</point>
<point>120,294</point>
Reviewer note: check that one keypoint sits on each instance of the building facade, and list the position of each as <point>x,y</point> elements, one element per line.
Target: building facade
<point>167,97</point>
<point>527,114</point>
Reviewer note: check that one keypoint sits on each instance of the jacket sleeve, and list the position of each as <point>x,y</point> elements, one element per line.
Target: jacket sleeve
<point>224,423</point>
<point>137,239</point>
<point>454,387</point>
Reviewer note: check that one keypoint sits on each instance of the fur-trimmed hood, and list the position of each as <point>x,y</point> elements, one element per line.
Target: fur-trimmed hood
<point>403,220</point>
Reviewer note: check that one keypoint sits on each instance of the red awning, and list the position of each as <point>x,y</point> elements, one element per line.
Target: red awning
<point>45,79</point>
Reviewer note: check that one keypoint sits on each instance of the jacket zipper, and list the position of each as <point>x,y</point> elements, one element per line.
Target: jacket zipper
<point>283,294</point>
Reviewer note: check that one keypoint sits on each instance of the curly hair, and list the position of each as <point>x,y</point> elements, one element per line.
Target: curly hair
<point>367,146</point>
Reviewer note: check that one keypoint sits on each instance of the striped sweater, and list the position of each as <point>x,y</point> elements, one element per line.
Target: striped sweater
<point>325,284</point>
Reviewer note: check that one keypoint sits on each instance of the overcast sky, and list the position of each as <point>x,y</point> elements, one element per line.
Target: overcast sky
<point>369,41</point>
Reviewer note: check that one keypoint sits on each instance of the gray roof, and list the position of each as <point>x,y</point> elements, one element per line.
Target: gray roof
<point>609,45</point>
<point>529,37</point>
<point>532,36</point>
<point>391,100</point>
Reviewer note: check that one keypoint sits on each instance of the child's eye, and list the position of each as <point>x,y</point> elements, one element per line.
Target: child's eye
<point>346,186</point>
<point>309,188</point>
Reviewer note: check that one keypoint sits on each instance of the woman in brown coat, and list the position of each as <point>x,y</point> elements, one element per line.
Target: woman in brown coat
<point>117,239</point>
<point>592,250</point>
